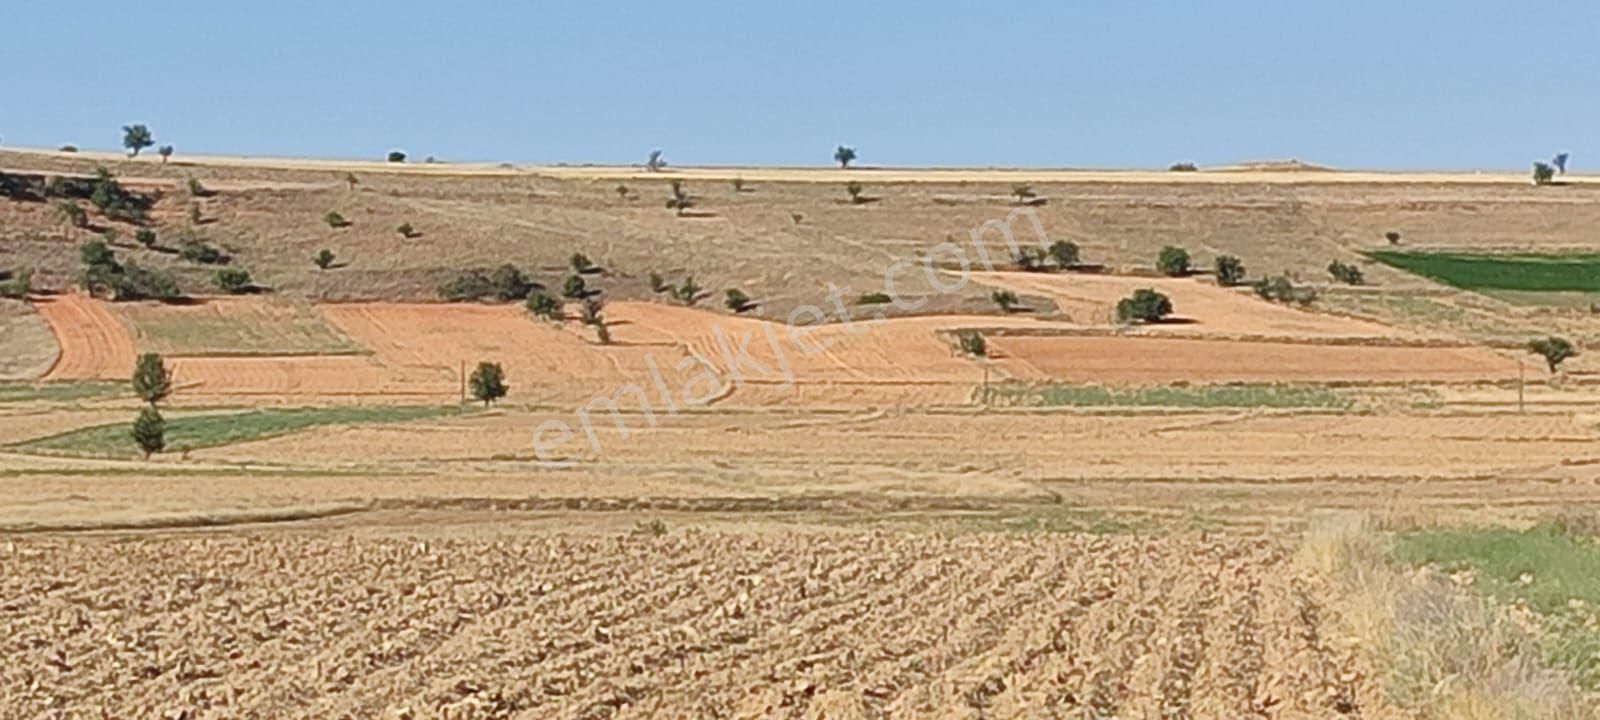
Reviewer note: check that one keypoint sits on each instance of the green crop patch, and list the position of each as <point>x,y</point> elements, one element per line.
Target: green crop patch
<point>1477,271</point>
<point>1203,396</point>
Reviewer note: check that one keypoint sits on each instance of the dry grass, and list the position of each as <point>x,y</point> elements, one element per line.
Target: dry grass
<point>27,348</point>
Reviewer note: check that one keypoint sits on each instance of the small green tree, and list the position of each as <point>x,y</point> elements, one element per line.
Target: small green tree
<point>582,264</point>
<point>1145,305</point>
<point>680,200</point>
<point>1065,253</point>
<point>1543,174</point>
<point>575,288</point>
<point>1006,299</point>
<point>194,214</point>
<point>844,155</point>
<point>1230,270</point>
<point>973,344</point>
<point>16,286</point>
<point>72,213</point>
<point>351,180</point>
<point>136,138</point>
<point>687,292</point>
<point>508,283</point>
<point>150,432</point>
<point>854,188</point>
<point>1173,261</point>
<point>195,188</point>
<point>738,301</point>
<point>622,192</point>
<point>488,382</point>
<point>658,284</point>
<point>396,156</point>
<point>543,306</point>
<point>1393,237</point>
<point>335,220</point>
<point>406,231</point>
<point>324,259</point>
<point>1346,273</point>
<point>152,381</point>
<point>233,281</point>
<point>1024,192</point>
<point>145,237</point>
<point>1554,350</point>
<point>738,184</point>
<point>166,153</point>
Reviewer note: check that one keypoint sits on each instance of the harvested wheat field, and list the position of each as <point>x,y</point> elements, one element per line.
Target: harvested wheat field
<point>95,345</point>
<point>688,625</point>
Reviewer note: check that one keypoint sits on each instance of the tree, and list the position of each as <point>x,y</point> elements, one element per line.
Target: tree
<point>544,306</point>
<point>396,156</point>
<point>1346,273</point>
<point>351,180</point>
<point>233,281</point>
<point>680,200</point>
<point>622,192</point>
<point>488,382</point>
<point>152,381</point>
<point>150,432</point>
<point>136,138</point>
<point>1173,261</point>
<point>854,188</point>
<point>1543,174</point>
<point>589,312</point>
<point>656,162</point>
<point>145,237</point>
<point>737,301</point>
<point>1006,299</point>
<point>1144,305</point>
<point>324,259</point>
<point>508,283</point>
<point>973,344</point>
<point>16,286</point>
<point>1024,192</point>
<point>1555,350</point>
<point>198,251</point>
<point>688,292</point>
<point>1065,253</point>
<point>844,155</point>
<point>1393,237</point>
<point>195,188</point>
<point>575,288</point>
<point>406,231</point>
<point>1230,270</point>
<point>194,213</point>
<point>72,213</point>
<point>582,264</point>
<point>658,284</point>
<point>738,184</point>
<point>166,153</point>
<point>1560,161</point>
<point>335,220</point>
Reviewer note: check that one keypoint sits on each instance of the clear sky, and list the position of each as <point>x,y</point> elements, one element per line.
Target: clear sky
<point>1403,84</point>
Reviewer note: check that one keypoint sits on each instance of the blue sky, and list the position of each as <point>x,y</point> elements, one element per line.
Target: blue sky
<point>1421,84</point>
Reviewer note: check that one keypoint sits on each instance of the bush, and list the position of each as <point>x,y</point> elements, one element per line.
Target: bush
<point>688,292</point>
<point>1393,237</point>
<point>166,153</point>
<point>152,381</point>
<point>1554,350</point>
<point>488,382</point>
<point>69,148</point>
<point>136,138</point>
<point>1346,273</point>
<point>195,188</point>
<point>854,189</point>
<point>396,156</point>
<point>473,284</point>
<point>738,184</point>
<point>1065,253</point>
<point>844,155</point>
<point>589,312</point>
<point>197,251</point>
<point>544,306</point>
<point>72,213</point>
<point>1182,167</point>
<point>575,288</point>
<point>508,283</point>
<point>1543,174</point>
<point>102,276</point>
<point>114,200</point>
<point>1029,260</point>
<point>233,281</point>
<point>582,264</point>
<point>1173,261</point>
<point>680,200</point>
<point>16,286</point>
<point>873,298</point>
<point>1230,270</point>
<point>406,231</point>
<point>973,344</point>
<point>658,284</point>
<point>1278,288</point>
<point>1024,192</point>
<point>1006,299</point>
<point>149,432</point>
<point>1145,305</point>
<point>145,237</point>
<point>324,259</point>
<point>335,220</point>
<point>140,284</point>
<point>737,301</point>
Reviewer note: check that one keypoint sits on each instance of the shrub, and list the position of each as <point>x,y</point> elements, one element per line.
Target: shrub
<point>738,184</point>
<point>16,286</point>
<point>589,312</point>
<point>582,264</point>
<point>1029,259</point>
<point>622,192</point>
<point>687,292</point>
<point>351,180</point>
<point>136,138</point>
<point>844,155</point>
<point>324,259</point>
<point>72,213</point>
<point>1543,174</point>
<point>152,381</point>
<point>335,220</point>
<point>1182,167</point>
<point>1065,253</point>
<point>1144,305</point>
<point>406,231</point>
<point>1006,299</point>
<point>145,237</point>
<point>69,148</point>
<point>166,153</point>
<point>854,188</point>
<point>873,298</point>
<point>1346,273</point>
<point>1173,261</point>
<point>1393,237</point>
<point>139,283</point>
<point>194,213</point>
<point>472,284</point>
<point>575,288</point>
<point>396,156</point>
<point>197,251</point>
<point>233,281</point>
<point>1024,192</point>
<point>680,200</point>
<point>149,432</point>
<point>544,306</point>
<point>1230,270</point>
<point>1278,288</point>
<point>508,283</point>
<point>195,188</point>
<point>658,284</point>
<point>1554,350</point>
<point>488,382</point>
<point>737,301</point>
<point>115,200</point>
<point>973,344</point>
